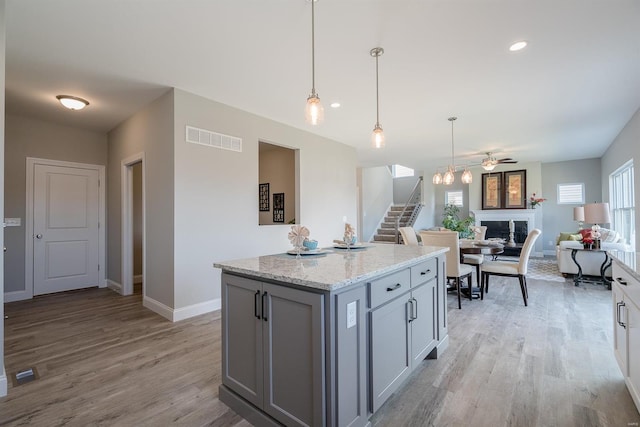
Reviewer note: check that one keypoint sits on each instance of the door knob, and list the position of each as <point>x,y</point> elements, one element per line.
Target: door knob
<point>38,236</point>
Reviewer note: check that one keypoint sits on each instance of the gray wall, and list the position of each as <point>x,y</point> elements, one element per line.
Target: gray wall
<point>376,195</point>
<point>559,218</point>
<point>626,146</point>
<point>27,137</point>
<point>216,194</point>
<point>3,377</point>
<point>402,188</point>
<point>149,131</point>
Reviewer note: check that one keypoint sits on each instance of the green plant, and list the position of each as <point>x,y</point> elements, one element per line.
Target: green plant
<point>451,221</point>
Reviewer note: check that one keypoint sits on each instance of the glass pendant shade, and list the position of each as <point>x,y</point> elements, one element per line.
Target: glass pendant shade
<point>467,178</point>
<point>314,112</point>
<point>437,178</point>
<point>489,167</point>
<point>377,137</point>
<point>448,176</point>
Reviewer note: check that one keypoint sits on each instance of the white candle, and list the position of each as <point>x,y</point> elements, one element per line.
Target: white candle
<point>512,226</point>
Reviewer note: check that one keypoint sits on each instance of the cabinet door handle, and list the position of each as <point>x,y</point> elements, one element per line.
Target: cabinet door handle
<point>264,310</point>
<point>422,273</point>
<point>255,305</point>
<point>394,287</point>
<point>410,310</point>
<point>416,315</point>
<point>620,305</point>
<point>621,281</point>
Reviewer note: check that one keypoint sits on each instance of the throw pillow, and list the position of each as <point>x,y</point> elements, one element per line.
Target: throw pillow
<point>568,236</point>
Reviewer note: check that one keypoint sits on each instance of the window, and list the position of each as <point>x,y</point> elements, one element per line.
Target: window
<point>400,171</point>
<point>623,202</point>
<point>453,198</point>
<point>571,193</point>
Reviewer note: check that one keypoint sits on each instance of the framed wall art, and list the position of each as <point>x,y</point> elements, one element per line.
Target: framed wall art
<point>492,190</point>
<point>264,197</point>
<point>278,207</point>
<point>515,189</point>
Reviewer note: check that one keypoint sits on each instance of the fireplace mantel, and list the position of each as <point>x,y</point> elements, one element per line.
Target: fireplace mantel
<point>528,215</point>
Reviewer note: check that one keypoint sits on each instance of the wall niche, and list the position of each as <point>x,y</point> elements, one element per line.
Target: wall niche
<point>277,185</point>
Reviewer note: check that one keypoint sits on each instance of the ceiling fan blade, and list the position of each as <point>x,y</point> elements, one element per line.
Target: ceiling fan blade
<point>507,161</point>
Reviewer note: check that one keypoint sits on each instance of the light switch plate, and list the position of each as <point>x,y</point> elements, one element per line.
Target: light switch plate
<point>12,222</point>
<point>352,314</point>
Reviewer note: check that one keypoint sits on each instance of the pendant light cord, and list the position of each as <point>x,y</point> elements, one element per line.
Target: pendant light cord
<point>377,97</point>
<point>313,49</point>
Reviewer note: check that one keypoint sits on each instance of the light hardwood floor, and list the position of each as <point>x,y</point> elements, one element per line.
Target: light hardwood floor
<point>103,359</point>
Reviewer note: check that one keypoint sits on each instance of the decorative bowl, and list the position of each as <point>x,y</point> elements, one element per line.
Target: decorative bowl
<point>310,244</point>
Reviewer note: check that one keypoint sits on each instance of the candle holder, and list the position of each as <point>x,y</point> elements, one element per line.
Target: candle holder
<point>511,241</point>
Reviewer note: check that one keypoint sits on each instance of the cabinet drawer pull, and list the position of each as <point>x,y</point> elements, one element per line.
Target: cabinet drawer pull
<point>621,281</point>
<point>394,287</point>
<point>422,273</point>
<point>255,305</point>
<point>264,310</point>
<point>619,306</point>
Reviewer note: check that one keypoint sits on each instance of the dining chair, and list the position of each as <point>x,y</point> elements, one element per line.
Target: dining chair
<point>456,271</point>
<point>409,236</point>
<point>511,269</point>
<point>479,231</point>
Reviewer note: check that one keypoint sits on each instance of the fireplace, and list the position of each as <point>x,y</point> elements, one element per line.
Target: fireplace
<point>500,229</point>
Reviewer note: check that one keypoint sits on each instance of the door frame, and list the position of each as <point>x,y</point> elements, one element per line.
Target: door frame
<point>126,244</point>
<point>28,260</point>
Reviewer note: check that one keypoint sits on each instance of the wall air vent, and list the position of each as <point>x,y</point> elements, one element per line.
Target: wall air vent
<point>213,139</point>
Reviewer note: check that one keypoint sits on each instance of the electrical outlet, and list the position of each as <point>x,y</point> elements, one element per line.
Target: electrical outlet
<point>352,314</point>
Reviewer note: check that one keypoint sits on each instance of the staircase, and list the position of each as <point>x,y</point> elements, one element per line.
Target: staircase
<point>387,231</point>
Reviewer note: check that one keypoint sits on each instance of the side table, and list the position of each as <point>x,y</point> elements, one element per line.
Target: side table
<point>606,264</point>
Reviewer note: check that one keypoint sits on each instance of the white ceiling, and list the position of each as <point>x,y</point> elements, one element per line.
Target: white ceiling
<point>566,96</point>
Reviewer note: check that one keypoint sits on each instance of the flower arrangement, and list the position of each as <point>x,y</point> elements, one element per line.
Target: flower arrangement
<point>535,201</point>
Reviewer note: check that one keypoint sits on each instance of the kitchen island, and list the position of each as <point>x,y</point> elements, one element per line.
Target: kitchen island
<point>325,340</point>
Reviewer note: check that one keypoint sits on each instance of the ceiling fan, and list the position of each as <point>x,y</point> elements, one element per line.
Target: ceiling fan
<point>490,162</point>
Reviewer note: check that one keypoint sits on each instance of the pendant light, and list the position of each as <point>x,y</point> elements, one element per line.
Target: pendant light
<point>377,137</point>
<point>449,175</point>
<point>437,178</point>
<point>467,178</point>
<point>314,112</point>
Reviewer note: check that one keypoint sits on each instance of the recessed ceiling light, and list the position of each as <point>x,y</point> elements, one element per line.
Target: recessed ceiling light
<point>72,102</point>
<point>335,105</point>
<point>518,46</point>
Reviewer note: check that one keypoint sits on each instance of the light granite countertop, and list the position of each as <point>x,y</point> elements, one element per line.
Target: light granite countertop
<point>629,261</point>
<point>334,270</point>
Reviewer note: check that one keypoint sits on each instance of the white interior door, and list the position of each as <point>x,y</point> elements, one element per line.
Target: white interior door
<point>65,228</point>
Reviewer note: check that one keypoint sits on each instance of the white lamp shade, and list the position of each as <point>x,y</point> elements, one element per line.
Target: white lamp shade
<point>597,213</point>
<point>578,213</point>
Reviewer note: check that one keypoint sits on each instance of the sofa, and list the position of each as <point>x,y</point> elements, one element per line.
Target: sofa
<point>589,261</point>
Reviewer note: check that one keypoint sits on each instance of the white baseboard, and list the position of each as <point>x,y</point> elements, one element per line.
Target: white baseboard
<point>17,296</point>
<point>137,279</point>
<point>549,252</point>
<point>3,383</point>
<point>197,309</point>
<point>176,315</point>
<point>114,286</point>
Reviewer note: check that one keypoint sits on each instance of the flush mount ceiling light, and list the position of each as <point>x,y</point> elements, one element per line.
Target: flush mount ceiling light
<point>335,105</point>
<point>314,112</point>
<point>519,45</point>
<point>377,137</point>
<point>72,102</point>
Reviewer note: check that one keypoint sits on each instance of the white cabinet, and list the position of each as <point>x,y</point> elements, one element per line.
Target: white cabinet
<point>626,328</point>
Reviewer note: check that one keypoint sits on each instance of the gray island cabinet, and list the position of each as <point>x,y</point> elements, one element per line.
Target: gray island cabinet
<point>326,340</point>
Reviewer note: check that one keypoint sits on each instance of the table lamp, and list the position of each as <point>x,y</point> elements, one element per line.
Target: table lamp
<point>578,215</point>
<point>596,214</point>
